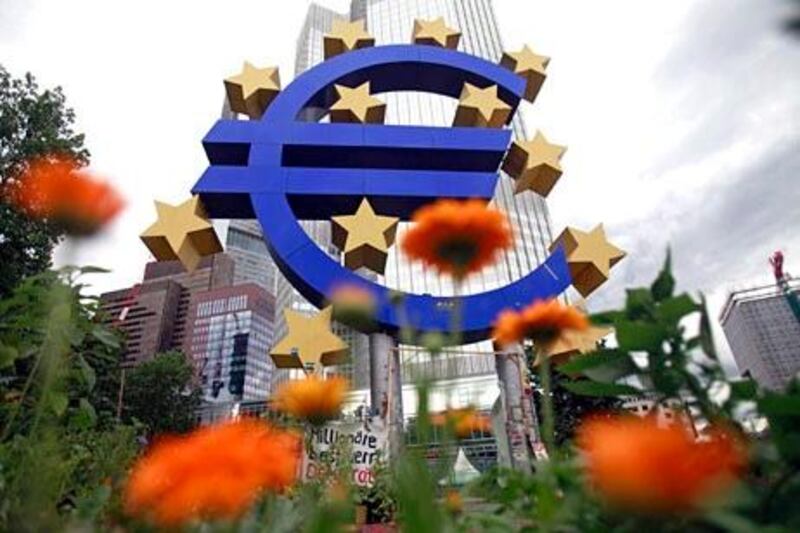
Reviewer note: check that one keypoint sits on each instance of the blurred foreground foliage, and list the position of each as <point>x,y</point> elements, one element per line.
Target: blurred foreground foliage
<point>62,448</point>
<point>64,454</point>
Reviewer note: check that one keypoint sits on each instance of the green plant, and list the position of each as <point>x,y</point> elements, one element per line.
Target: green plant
<point>33,123</point>
<point>162,394</point>
<point>59,442</point>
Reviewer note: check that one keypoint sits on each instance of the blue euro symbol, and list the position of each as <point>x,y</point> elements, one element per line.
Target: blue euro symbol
<point>287,167</point>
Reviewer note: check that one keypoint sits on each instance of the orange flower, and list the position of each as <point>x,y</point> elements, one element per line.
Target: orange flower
<point>60,191</point>
<point>463,421</point>
<point>314,398</point>
<point>636,464</point>
<point>457,238</point>
<point>453,502</point>
<point>543,321</point>
<point>214,472</point>
<point>353,305</point>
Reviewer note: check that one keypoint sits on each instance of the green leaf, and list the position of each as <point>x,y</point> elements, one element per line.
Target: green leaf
<point>93,270</point>
<point>106,336</point>
<point>8,354</point>
<point>605,366</point>
<point>640,336</point>
<point>638,303</point>
<point>85,417</point>
<point>88,373</point>
<point>735,523</point>
<point>706,336</point>
<point>58,402</point>
<point>91,505</point>
<point>745,389</point>
<point>593,388</point>
<point>667,380</point>
<point>780,405</point>
<point>664,284</point>
<point>675,308</point>
<point>607,317</point>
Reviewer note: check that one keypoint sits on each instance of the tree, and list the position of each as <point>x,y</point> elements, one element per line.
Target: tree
<point>570,408</point>
<point>161,394</point>
<point>34,123</point>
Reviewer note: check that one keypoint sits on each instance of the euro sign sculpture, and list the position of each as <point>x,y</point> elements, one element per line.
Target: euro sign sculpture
<point>286,167</point>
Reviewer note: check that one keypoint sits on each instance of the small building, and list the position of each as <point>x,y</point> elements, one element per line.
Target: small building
<point>763,333</point>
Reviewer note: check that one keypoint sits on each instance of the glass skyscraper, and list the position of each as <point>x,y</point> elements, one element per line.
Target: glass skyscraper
<point>309,52</point>
<point>244,242</point>
<point>391,21</point>
<point>230,330</point>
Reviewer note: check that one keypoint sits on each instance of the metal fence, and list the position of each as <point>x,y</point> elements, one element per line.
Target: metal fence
<point>416,364</point>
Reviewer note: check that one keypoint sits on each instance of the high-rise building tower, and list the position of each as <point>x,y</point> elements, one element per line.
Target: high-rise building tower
<point>470,376</point>
<point>152,314</point>
<point>225,330</point>
<point>309,52</point>
<point>392,21</point>
<point>763,333</point>
<point>229,334</point>
<point>244,243</point>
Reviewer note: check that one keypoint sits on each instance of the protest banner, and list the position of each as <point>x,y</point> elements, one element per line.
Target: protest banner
<point>366,441</point>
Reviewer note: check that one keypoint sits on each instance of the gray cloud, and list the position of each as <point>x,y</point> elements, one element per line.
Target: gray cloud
<point>732,75</point>
<point>725,235</point>
<point>728,74</point>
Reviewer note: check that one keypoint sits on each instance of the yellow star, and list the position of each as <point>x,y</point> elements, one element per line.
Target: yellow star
<point>364,237</point>
<point>251,91</point>
<point>572,343</point>
<point>528,65</point>
<point>309,340</point>
<point>346,36</point>
<point>182,232</point>
<point>590,257</point>
<point>357,105</point>
<point>535,165</point>
<point>481,108</point>
<point>435,33</point>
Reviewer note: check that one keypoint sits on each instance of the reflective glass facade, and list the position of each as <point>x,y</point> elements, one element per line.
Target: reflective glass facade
<point>244,242</point>
<point>391,21</point>
<point>230,333</point>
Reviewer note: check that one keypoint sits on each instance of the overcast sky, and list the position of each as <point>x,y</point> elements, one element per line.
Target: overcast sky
<point>682,117</point>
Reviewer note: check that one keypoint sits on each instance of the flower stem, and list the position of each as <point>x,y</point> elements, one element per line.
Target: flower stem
<point>455,316</point>
<point>548,417</point>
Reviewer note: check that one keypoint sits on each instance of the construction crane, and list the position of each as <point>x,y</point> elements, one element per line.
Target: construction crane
<point>782,280</point>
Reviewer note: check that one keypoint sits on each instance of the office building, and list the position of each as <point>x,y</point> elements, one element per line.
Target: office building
<point>224,329</point>
<point>466,375</point>
<point>244,243</point>
<point>763,333</point>
<point>319,21</point>
<point>152,314</point>
<point>229,336</point>
<point>391,21</point>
